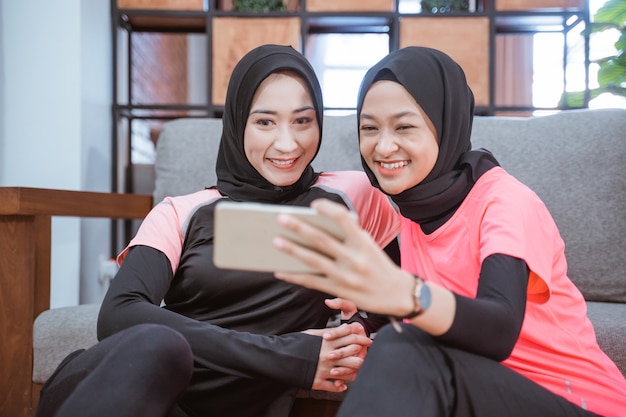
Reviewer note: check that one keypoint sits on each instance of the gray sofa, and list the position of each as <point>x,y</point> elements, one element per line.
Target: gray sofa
<point>574,160</point>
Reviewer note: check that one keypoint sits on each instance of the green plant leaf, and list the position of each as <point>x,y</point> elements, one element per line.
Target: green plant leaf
<point>612,73</point>
<point>613,11</point>
<point>620,45</point>
<point>258,5</point>
<point>576,99</point>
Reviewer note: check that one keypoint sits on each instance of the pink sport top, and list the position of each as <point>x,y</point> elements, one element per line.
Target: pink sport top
<point>557,346</point>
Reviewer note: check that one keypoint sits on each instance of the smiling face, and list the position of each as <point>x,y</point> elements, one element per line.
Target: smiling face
<point>282,134</point>
<point>396,138</point>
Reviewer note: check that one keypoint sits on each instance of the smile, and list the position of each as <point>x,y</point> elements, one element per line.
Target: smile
<point>282,162</point>
<point>393,165</point>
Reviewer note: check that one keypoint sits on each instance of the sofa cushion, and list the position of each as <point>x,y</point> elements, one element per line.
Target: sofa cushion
<point>608,321</point>
<point>574,161</point>
<point>60,331</point>
<point>186,152</point>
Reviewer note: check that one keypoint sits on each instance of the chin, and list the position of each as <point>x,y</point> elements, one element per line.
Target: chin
<point>285,182</point>
<point>391,189</point>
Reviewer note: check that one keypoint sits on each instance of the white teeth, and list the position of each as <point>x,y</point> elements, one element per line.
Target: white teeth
<point>394,165</point>
<point>281,162</point>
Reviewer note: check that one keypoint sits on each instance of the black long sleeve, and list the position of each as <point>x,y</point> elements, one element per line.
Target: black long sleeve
<point>490,324</point>
<point>135,296</point>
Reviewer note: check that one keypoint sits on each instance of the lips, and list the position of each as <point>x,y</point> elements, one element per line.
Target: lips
<point>283,163</point>
<point>389,166</point>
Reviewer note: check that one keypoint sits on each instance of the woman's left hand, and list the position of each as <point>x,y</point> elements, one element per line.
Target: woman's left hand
<point>341,355</point>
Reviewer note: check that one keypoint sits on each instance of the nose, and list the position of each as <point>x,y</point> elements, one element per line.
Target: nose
<point>285,140</point>
<point>386,144</point>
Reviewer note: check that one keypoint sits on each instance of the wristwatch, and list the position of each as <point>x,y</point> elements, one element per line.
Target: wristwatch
<point>421,298</point>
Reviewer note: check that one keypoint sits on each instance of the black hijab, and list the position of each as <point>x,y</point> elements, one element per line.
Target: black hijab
<point>438,85</point>
<point>236,177</point>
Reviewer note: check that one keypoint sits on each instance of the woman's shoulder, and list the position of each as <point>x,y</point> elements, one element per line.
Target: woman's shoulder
<point>498,182</point>
<point>198,197</point>
<point>497,191</point>
<point>183,206</point>
<point>353,184</point>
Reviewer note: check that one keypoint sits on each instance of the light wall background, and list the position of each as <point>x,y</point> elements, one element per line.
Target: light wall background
<point>55,123</point>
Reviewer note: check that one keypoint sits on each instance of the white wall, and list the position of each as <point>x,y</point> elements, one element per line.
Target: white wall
<point>55,122</point>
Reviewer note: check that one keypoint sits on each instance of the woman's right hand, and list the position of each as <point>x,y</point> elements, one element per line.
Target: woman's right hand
<point>355,269</point>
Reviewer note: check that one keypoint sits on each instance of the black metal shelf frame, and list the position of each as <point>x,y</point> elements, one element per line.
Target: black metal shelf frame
<point>200,22</point>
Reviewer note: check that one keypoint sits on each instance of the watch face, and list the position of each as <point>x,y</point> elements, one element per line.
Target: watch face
<point>425,297</point>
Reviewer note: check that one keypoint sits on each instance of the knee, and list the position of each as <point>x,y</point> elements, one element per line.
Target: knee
<point>166,348</point>
<point>413,357</point>
<point>412,345</point>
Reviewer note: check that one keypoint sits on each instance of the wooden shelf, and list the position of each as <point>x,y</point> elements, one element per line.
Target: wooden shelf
<point>527,5</point>
<point>444,33</point>
<point>249,33</point>
<point>161,4</point>
<point>350,5</point>
<point>161,21</point>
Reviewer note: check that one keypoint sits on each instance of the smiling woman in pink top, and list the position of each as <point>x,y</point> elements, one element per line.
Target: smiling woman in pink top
<point>492,326</point>
<point>181,337</point>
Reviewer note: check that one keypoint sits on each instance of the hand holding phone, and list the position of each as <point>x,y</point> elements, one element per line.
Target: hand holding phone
<point>244,232</point>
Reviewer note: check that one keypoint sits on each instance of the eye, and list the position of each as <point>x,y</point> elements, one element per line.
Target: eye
<point>404,127</point>
<point>368,128</point>
<point>264,122</point>
<point>303,120</point>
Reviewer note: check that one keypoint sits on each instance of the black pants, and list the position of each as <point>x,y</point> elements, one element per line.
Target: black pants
<point>138,372</point>
<point>410,374</point>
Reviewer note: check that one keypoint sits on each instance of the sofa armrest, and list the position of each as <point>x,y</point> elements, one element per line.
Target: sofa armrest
<point>25,244</point>
<point>24,201</point>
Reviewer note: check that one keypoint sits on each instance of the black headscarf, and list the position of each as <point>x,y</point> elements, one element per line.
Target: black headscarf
<point>438,85</point>
<point>236,177</point>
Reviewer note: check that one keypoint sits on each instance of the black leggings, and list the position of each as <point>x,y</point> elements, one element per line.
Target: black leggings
<point>140,371</point>
<point>410,374</point>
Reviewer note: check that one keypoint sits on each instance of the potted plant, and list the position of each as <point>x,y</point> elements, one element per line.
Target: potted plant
<point>612,71</point>
<point>258,5</point>
<point>444,6</point>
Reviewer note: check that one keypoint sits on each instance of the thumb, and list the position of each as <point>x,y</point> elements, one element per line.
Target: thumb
<point>335,303</point>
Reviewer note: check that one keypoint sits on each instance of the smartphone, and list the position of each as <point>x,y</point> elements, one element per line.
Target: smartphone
<point>244,232</point>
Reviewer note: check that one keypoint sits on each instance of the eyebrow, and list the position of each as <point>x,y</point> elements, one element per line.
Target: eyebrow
<point>273,112</point>
<point>395,115</point>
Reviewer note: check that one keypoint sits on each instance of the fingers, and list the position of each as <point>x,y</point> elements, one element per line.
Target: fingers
<point>346,334</point>
<point>348,309</point>
<point>336,212</point>
<point>341,373</point>
<point>335,377</point>
<point>348,356</point>
<point>310,256</point>
<point>334,303</point>
<point>341,356</point>
<point>330,385</point>
<point>319,239</point>
<point>344,370</point>
<point>322,244</point>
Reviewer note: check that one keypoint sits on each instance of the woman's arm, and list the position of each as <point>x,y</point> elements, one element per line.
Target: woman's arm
<point>357,270</point>
<point>490,324</point>
<point>135,296</point>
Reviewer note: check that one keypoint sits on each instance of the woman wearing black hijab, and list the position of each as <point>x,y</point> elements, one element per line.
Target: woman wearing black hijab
<point>492,324</point>
<point>243,338</point>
